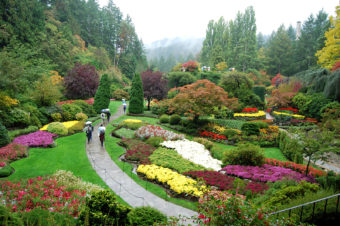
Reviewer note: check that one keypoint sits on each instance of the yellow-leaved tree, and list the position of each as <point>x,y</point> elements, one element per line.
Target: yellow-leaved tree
<point>330,54</point>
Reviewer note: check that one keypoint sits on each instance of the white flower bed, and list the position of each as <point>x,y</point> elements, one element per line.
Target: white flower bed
<point>194,152</point>
<point>145,132</point>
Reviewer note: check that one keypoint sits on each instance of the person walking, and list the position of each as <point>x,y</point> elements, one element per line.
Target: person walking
<point>89,130</point>
<point>108,116</point>
<point>102,116</point>
<point>124,106</point>
<point>101,134</point>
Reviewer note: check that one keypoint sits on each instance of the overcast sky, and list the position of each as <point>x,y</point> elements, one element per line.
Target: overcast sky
<point>158,19</point>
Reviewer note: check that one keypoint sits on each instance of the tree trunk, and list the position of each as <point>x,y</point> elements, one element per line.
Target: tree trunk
<point>149,100</point>
<point>308,166</point>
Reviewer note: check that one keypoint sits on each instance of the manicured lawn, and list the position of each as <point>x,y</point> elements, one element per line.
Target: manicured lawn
<point>114,105</point>
<point>274,153</point>
<point>69,154</point>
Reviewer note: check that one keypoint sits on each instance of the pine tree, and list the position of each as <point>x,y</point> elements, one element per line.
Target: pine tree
<point>136,105</point>
<point>102,97</point>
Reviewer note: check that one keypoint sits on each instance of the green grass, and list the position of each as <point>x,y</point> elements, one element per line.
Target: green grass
<point>127,133</point>
<point>218,150</point>
<point>69,154</point>
<point>274,153</point>
<point>114,105</point>
<point>115,151</point>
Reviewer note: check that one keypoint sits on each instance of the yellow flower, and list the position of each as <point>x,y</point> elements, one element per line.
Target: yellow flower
<point>67,124</point>
<point>132,121</point>
<point>258,114</point>
<point>284,113</point>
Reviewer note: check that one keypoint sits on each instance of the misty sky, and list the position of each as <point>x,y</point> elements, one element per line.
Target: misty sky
<point>158,19</point>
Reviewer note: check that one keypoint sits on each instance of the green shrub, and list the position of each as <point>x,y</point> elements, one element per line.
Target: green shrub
<point>6,171</point>
<point>70,111</point>
<point>57,128</point>
<point>331,180</point>
<point>86,108</point>
<point>102,208</point>
<point>250,128</point>
<point>175,119</point>
<point>230,133</point>
<point>207,143</point>
<point>164,118</point>
<point>261,124</point>
<point>136,105</point>
<point>81,116</point>
<point>120,94</point>
<point>125,133</point>
<point>9,218</point>
<point>161,107</point>
<point>102,97</point>
<point>260,91</point>
<point>245,154</point>
<point>56,117</point>
<point>145,216</point>
<point>154,141</point>
<point>4,138</point>
<point>233,124</point>
<point>169,158</point>
<point>19,117</point>
<point>14,133</point>
<point>291,148</point>
<point>131,124</point>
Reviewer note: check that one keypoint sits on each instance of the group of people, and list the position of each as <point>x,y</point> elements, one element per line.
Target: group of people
<point>101,130</point>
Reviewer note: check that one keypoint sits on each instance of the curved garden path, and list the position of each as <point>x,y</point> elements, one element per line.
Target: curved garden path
<point>122,184</point>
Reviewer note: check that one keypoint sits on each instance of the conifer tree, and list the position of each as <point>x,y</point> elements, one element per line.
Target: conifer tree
<point>136,105</point>
<point>102,97</point>
<point>4,138</point>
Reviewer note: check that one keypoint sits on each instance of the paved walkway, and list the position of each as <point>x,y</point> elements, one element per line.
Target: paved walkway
<point>122,184</point>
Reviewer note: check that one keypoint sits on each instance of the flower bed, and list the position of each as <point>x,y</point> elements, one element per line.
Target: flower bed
<point>169,158</point>
<point>194,152</point>
<point>250,110</point>
<point>296,167</point>
<point>287,114</point>
<point>212,135</point>
<point>36,139</point>
<point>225,182</point>
<point>68,125</point>
<point>137,150</point>
<point>145,132</point>
<point>177,182</point>
<point>250,116</point>
<point>13,152</point>
<point>40,192</point>
<point>89,101</point>
<point>131,123</point>
<point>294,110</point>
<point>265,173</point>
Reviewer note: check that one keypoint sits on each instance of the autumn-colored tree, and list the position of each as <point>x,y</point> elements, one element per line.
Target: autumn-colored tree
<point>277,80</point>
<point>280,99</point>
<point>81,82</point>
<point>190,66</point>
<point>154,85</point>
<point>329,54</point>
<point>6,102</point>
<point>56,78</point>
<point>221,66</point>
<point>200,98</point>
<point>44,92</point>
<point>336,66</point>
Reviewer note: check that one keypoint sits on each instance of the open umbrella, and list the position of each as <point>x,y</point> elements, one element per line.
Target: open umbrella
<point>106,110</point>
<point>88,123</point>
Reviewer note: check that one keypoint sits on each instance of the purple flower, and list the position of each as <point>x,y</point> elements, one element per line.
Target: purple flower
<point>38,138</point>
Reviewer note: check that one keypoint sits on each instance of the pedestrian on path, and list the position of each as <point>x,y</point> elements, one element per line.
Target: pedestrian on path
<point>108,116</point>
<point>102,115</point>
<point>88,131</point>
<point>124,107</point>
<point>101,134</point>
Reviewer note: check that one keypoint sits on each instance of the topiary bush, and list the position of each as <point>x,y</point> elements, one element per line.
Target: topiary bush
<point>145,216</point>
<point>175,119</point>
<point>102,208</point>
<point>245,154</point>
<point>250,128</point>
<point>57,128</point>
<point>154,141</point>
<point>4,138</point>
<point>164,118</point>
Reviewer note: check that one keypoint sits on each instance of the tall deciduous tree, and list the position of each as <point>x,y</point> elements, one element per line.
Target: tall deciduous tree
<point>81,82</point>
<point>102,97</point>
<point>154,85</point>
<point>136,104</point>
<point>200,98</point>
<point>45,92</point>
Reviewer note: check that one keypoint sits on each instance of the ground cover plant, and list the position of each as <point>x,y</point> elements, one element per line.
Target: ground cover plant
<point>155,131</point>
<point>36,139</point>
<point>137,150</point>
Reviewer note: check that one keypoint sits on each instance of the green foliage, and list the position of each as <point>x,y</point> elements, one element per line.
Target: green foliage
<point>81,116</point>
<point>291,147</point>
<point>178,79</point>
<point>86,108</point>
<point>231,134</point>
<point>131,124</point>
<point>330,181</point>
<point>56,117</point>
<point>174,119</point>
<point>235,83</point>
<point>169,158</point>
<point>136,104</point>
<point>6,171</point>
<point>250,128</point>
<point>154,141</point>
<point>211,76</point>
<point>57,128</point>
<point>261,124</point>
<point>223,112</point>
<point>9,218</point>
<point>120,94</point>
<point>103,209</point>
<point>245,154</point>
<point>4,138</point>
<point>233,124</point>
<point>284,195</point>
<point>260,91</point>
<point>164,118</point>
<point>77,127</point>
<point>44,92</point>
<point>70,111</point>
<point>125,133</point>
<point>207,143</point>
<point>145,216</point>
<point>162,107</point>
<point>332,86</point>
<point>310,105</point>
<point>14,133</point>
<point>102,97</point>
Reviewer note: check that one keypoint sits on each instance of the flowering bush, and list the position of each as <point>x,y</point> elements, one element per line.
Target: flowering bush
<point>250,116</point>
<point>177,182</point>
<point>296,167</point>
<point>89,101</point>
<point>212,135</point>
<point>265,173</point>
<point>284,113</point>
<point>2,164</point>
<point>40,192</point>
<point>250,110</point>
<point>137,150</point>
<point>194,152</point>
<point>12,152</point>
<point>145,132</point>
<point>38,138</point>
<point>224,182</point>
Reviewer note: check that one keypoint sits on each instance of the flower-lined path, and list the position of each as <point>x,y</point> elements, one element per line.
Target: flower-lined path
<point>122,184</point>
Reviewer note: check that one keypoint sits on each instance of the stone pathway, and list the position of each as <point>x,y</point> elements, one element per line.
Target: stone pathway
<point>122,184</point>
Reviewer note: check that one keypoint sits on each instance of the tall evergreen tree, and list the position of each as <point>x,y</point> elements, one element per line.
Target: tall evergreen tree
<point>136,104</point>
<point>102,97</point>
